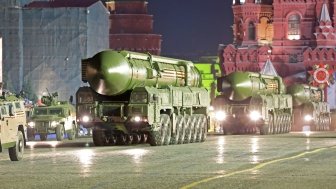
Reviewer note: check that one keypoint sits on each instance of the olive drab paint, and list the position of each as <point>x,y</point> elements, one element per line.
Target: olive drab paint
<point>52,116</point>
<point>135,98</point>
<point>12,125</point>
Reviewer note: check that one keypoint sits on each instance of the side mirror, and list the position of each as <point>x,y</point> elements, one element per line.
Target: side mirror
<point>4,94</point>
<point>11,112</point>
<point>71,99</point>
<point>155,98</point>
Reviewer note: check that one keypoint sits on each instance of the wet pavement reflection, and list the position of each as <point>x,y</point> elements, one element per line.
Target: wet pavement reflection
<point>47,164</point>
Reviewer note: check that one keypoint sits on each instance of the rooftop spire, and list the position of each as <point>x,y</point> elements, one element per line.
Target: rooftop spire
<point>325,13</point>
<point>269,69</point>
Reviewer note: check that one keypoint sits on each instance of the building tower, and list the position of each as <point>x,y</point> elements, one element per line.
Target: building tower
<point>131,27</point>
<point>293,34</point>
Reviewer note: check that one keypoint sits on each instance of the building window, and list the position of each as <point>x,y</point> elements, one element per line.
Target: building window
<point>293,58</point>
<point>257,1</point>
<point>251,31</point>
<point>242,2</point>
<point>294,27</point>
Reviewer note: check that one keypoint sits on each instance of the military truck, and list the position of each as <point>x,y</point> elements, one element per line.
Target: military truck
<point>12,125</point>
<point>52,116</point>
<point>133,97</point>
<point>310,108</point>
<point>252,101</point>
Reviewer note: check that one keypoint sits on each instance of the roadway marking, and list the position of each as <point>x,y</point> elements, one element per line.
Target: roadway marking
<point>259,166</point>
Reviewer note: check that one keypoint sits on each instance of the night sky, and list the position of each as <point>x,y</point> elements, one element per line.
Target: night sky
<point>192,27</point>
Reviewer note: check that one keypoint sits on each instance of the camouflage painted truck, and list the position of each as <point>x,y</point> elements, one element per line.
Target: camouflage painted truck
<point>52,116</point>
<point>252,101</point>
<point>310,108</point>
<point>135,97</point>
<point>12,126</point>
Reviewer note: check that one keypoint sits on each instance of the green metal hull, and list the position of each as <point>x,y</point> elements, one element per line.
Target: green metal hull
<point>135,97</point>
<point>253,102</point>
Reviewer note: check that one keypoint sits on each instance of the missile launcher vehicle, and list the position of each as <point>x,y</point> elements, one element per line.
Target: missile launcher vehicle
<point>52,116</point>
<point>135,97</point>
<point>310,108</point>
<point>251,102</point>
<point>12,125</point>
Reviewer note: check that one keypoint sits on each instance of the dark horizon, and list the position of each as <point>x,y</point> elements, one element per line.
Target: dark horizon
<point>192,28</point>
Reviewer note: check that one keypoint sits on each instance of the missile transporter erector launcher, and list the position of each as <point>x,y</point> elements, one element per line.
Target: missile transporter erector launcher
<point>252,101</point>
<point>310,108</point>
<point>135,97</point>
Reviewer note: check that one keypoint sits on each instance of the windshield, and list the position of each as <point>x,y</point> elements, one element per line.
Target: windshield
<point>139,97</point>
<point>111,111</point>
<point>45,111</point>
<point>85,97</point>
<point>57,111</point>
<point>40,111</point>
<point>85,108</point>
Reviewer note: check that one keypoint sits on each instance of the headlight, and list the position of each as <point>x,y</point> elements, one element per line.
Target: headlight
<point>85,119</point>
<point>54,123</point>
<point>31,124</point>
<point>139,119</point>
<point>255,115</point>
<point>220,115</point>
<point>308,117</point>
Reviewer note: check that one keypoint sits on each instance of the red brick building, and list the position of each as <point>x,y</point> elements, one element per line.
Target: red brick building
<point>131,27</point>
<point>294,34</point>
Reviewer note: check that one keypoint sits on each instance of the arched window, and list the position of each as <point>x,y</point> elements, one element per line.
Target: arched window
<point>242,2</point>
<point>294,27</point>
<point>251,31</point>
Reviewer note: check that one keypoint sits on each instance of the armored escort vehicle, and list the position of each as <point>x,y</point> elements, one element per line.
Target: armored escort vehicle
<point>52,116</point>
<point>12,125</point>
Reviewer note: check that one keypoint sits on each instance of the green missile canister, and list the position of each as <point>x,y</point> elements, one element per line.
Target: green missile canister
<point>239,86</point>
<point>115,72</point>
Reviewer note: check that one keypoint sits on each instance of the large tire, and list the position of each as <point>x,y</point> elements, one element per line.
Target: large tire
<point>194,127</point>
<point>136,138</point>
<point>112,140</point>
<point>188,124</point>
<point>43,136</point>
<point>264,130</point>
<point>200,131</point>
<point>129,139</point>
<point>182,131</point>
<point>157,138</point>
<point>268,128</point>
<point>168,128</point>
<point>72,132</point>
<point>121,139</point>
<point>205,129</point>
<point>16,152</point>
<point>99,137</point>
<point>328,120</point>
<point>178,131</point>
<point>282,121</point>
<point>60,132</point>
<point>144,137</point>
<point>31,134</point>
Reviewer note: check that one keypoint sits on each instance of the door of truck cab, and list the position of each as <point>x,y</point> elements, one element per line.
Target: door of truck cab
<point>8,132</point>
